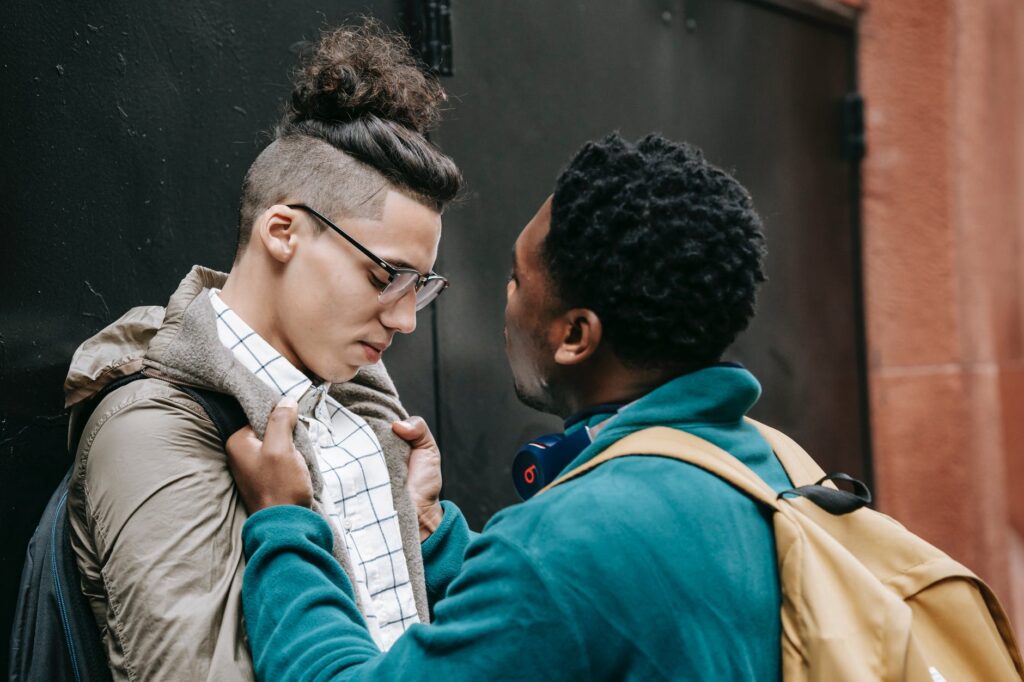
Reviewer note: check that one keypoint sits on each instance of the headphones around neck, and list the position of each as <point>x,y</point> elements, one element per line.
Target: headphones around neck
<point>540,461</point>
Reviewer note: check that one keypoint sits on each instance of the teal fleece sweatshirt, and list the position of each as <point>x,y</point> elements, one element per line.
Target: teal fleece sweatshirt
<point>644,569</point>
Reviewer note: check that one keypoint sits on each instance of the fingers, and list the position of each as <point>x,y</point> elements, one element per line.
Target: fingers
<point>410,428</point>
<point>271,472</point>
<point>414,431</point>
<point>278,438</point>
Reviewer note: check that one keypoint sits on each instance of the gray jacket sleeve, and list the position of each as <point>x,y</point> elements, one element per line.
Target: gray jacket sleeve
<point>156,528</point>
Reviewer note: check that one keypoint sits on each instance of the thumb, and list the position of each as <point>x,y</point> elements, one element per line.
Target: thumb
<point>414,431</point>
<point>278,437</point>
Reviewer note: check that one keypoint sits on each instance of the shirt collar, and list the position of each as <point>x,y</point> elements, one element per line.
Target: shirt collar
<point>258,356</point>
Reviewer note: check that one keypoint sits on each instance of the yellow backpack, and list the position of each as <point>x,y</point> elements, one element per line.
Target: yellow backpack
<point>863,598</point>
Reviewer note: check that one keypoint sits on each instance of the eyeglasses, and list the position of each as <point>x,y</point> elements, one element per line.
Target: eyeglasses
<point>400,280</point>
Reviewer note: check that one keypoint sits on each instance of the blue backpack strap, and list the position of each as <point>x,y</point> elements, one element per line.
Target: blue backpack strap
<point>82,639</point>
<point>223,409</point>
<point>54,634</point>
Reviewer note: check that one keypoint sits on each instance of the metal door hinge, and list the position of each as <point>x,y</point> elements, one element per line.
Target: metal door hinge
<point>853,138</point>
<point>429,23</point>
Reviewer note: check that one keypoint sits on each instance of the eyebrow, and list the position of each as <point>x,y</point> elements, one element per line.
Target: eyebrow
<point>398,263</point>
<point>402,264</point>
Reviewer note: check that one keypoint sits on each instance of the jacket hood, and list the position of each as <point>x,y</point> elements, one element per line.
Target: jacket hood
<point>121,348</point>
<point>115,351</point>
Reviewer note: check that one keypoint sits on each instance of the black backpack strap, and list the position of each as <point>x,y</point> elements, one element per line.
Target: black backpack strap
<point>85,409</point>
<point>227,415</point>
<point>834,501</point>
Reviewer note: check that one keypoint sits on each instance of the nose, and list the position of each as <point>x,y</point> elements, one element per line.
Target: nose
<point>401,315</point>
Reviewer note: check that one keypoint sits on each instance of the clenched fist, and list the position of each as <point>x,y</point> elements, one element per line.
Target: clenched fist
<point>424,482</point>
<point>270,472</point>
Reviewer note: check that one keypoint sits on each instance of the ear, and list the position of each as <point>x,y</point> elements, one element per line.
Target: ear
<point>277,229</point>
<point>580,331</point>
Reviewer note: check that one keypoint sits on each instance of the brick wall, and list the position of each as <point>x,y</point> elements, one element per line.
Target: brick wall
<point>943,221</point>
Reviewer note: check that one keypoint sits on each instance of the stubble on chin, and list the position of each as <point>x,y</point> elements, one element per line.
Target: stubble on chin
<point>531,400</point>
<point>544,397</point>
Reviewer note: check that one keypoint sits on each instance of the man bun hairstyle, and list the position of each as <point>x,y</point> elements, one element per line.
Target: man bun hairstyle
<point>361,91</point>
<point>665,247</point>
<point>363,71</point>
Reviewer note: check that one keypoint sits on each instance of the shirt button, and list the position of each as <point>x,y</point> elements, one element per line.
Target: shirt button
<point>348,524</point>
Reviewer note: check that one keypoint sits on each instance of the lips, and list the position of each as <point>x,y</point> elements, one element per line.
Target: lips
<point>374,350</point>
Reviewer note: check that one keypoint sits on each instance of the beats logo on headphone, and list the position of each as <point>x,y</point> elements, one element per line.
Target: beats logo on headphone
<point>541,460</point>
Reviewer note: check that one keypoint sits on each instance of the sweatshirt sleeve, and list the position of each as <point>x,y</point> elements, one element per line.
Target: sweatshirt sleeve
<point>444,551</point>
<point>499,618</point>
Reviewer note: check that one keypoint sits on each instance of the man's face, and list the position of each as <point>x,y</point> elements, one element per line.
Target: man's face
<point>529,309</point>
<point>329,309</point>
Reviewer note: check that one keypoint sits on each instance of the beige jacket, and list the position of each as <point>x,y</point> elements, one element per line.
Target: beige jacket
<point>156,522</point>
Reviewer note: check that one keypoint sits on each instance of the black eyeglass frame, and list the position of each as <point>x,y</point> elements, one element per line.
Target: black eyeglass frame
<point>392,270</point>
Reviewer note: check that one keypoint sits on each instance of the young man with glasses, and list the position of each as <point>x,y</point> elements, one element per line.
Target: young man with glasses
<point>339,225</point>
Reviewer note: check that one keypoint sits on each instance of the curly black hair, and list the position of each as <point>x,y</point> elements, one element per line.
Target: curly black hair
<point>665,248</point>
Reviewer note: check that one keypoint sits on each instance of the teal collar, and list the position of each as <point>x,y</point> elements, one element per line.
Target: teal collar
<point>719,395</point>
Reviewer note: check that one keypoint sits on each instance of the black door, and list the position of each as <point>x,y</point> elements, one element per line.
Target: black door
<point>758,86</point>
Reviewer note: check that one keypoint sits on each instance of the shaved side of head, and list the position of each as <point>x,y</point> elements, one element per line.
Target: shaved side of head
<point>354,128</point>
<point>302,169</point>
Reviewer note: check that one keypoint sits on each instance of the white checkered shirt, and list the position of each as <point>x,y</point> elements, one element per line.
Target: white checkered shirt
<point>357,486</point>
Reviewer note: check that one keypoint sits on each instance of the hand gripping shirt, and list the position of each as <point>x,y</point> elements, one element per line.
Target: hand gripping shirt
<point>357,486</point>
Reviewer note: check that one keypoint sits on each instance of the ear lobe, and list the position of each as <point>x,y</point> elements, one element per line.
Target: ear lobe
<point>581,336</point>
<point>277,228</point>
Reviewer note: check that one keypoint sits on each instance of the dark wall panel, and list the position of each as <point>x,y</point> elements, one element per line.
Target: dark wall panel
<point>758,89</point>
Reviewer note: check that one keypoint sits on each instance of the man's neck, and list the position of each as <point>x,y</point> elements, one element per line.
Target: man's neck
<point>612,384</point>
<point>612,394</point>
<point>248,295</point>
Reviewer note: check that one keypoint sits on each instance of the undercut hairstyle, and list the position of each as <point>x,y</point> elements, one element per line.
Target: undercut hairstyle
<point>663,246</point>
<point>354,127</point>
